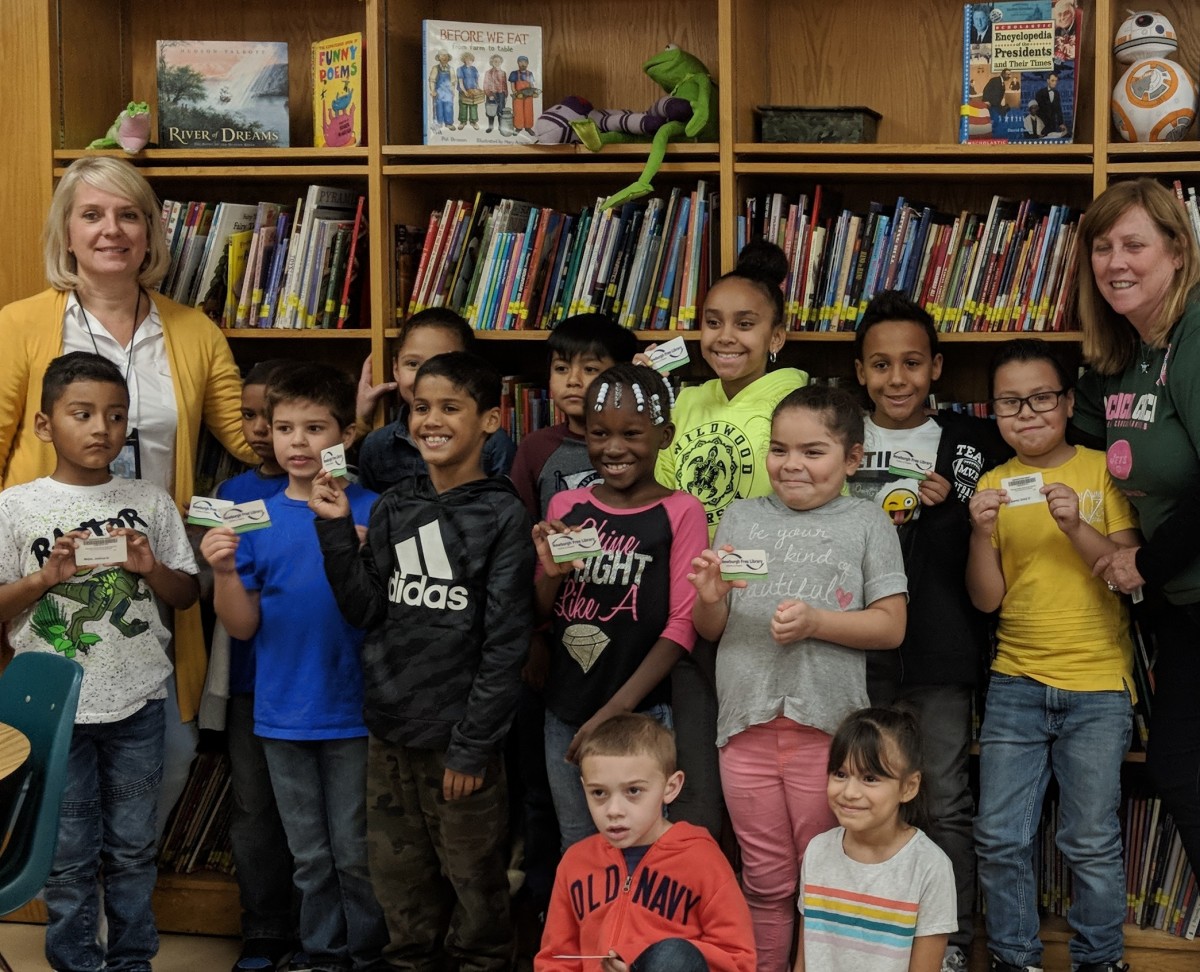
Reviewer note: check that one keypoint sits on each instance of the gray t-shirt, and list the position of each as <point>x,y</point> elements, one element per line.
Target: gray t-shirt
<point>842,556</point>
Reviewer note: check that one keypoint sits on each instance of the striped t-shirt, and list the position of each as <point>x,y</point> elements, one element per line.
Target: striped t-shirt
<point>865,916</point>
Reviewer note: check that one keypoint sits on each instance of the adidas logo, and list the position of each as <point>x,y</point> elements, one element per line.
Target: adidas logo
<point>424,558</point>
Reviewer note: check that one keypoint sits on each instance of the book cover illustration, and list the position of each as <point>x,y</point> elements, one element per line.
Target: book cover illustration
<point>1020,71</point>
<point>222,94</point>
<point>482,83</point>
<point>337,80</point>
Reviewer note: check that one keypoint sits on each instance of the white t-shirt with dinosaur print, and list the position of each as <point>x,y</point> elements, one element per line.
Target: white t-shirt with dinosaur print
<point>106,618</point>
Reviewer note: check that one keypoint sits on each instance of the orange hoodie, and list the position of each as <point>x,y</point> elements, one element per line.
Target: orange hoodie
<point>682,888</point>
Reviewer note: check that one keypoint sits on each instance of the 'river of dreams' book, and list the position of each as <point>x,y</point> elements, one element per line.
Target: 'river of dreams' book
<point>222,94</point>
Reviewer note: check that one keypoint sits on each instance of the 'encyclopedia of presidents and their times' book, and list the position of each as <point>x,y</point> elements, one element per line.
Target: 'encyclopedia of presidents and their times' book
<point>1020,74</point>
<point>481,82</point>
<point>222,94</point>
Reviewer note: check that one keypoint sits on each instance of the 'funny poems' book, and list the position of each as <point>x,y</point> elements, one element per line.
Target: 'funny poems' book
<point>482,83</point>
<point>1020,71</point>
<point>337,80</point>
<point>222,94</point>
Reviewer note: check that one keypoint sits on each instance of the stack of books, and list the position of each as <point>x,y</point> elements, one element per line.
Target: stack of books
<point>505,264</point>
<point>197,832</point>
<point>270,264</point>
<point>1009,269</point>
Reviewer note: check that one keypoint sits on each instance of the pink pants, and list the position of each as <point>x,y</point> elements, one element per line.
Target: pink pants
<point>774,776</point>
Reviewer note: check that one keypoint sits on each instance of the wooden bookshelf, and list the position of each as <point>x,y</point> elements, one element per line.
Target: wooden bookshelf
<point>81,61</point>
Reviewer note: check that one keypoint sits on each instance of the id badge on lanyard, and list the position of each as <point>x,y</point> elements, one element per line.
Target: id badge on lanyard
<point>128,464</point>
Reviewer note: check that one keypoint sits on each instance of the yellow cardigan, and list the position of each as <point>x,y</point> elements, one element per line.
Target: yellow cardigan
<point>208,388</point>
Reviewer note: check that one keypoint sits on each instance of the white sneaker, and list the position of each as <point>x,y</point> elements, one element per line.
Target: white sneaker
<point>955,960</point>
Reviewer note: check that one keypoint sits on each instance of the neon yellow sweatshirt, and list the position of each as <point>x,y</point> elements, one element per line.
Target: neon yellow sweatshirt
<point>720,447</point>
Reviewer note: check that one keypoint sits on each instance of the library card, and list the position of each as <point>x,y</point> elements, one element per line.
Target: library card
<point>743,564</point>
<point>333,460</point>
<point>101,550</point>
<point>247,516</point>
<point>1023,490</point>
<point>579,545</point>
<point>207,512</point>
<point>669,355</point>
<point>904,463</point>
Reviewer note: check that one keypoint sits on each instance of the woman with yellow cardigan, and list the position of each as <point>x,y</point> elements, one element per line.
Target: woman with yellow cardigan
<point>104,248</point>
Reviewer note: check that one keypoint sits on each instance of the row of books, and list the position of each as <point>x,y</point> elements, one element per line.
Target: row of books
<point>1009,269</point>
<point>505,264</point>
<point>197,832</point>
<point>1160,888</point>
<point>525,407</point>
<point>268,265</point>
<point>1192,205</point>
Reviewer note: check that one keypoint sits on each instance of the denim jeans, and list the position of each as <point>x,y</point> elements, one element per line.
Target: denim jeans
<point>944,713</point>
<point>670,955</point>
<point>260,850</point>
<point>107,823</point>
<point>321,789</point>
<point>1031,730</point>
<point>570,804</point>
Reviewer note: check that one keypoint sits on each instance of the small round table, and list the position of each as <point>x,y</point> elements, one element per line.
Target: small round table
<point>14,750</point>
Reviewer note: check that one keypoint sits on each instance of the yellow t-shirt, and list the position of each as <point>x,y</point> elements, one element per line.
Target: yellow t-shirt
<point>1058,623</point>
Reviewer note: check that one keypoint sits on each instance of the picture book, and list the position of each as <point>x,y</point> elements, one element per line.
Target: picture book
<point>1020,72</point>
<point>222,94</point>
<point>337,80</point>
<point>482,82</point>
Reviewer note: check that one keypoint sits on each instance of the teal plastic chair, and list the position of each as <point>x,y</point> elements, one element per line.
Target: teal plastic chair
<point>39,693</point>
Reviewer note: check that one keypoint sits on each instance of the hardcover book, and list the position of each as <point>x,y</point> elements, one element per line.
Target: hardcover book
<point>222,94</point>
<point>1020,72</point>
<point>337,80</point>
<point>482,83</point>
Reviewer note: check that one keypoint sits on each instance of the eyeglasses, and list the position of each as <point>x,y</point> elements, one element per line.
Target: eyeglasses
<point>1046,401</point>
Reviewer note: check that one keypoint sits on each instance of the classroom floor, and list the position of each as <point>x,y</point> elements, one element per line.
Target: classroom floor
<point>22,945</point>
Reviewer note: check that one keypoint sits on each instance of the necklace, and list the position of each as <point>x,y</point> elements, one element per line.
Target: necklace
<point>1145,352</point>
<point>87,320</point>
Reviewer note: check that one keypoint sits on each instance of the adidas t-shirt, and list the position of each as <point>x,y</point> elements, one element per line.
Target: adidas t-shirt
<point>308,682</point>
<point>105,618</point>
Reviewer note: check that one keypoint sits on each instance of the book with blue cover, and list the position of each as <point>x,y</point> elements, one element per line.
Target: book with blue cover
<point>1020,74</point>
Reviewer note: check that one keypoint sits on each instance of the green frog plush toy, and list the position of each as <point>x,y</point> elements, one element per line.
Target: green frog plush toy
<point>130,131</point>
<point>686,111</point>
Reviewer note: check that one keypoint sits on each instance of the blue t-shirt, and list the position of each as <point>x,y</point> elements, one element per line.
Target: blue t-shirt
<point>308,683</point>
<point>250,485</point>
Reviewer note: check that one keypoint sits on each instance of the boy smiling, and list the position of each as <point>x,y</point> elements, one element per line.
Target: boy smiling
<point>443,588</point>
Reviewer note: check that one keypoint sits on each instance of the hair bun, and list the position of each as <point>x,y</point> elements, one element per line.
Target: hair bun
<point>762,260</point>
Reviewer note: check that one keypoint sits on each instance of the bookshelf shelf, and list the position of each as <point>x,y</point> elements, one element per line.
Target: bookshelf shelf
<point>247,172</point>
<point>563,170</point>
<point>575,153</point>
<point>296,334</point>
<point>225,157</point>
<point>996,154</point>
<point>920,171</point>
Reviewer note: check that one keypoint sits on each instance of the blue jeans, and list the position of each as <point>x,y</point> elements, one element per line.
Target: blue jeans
<point>670,955</point>
<point>260,850</point>
<point>1031,730</point>
<point>107,822</point>
<point>321,790</point>
<point>570,803</point>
